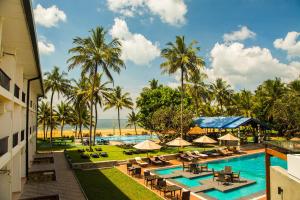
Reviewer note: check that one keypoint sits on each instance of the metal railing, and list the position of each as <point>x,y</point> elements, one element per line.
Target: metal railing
<point>4,80</point>
<point>17,91</point>
<point>3,145</point>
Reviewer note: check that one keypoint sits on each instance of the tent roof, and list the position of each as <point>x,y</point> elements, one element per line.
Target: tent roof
<point>224,122</point>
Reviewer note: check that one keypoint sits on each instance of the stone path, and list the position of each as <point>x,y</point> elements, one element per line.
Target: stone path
<point>65,186</point>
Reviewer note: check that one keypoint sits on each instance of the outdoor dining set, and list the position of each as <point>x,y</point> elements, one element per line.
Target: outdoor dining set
<point>226,175</point>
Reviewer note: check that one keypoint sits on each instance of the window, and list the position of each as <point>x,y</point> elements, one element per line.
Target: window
<point>15,139</point>
<point>3,145</point>
<point>4,80</point>
<point>23,97</point>
<point>30,130</point>
<point>17,91</point>
<point>22,135</point>
<point>31,103</point>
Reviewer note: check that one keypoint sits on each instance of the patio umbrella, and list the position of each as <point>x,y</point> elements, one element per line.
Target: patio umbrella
<point>295,139</point>
<point>178,142</point>
<point>197,130</point>
<point>205,140</point>
<point>228,138</point>
<point>147,145</point>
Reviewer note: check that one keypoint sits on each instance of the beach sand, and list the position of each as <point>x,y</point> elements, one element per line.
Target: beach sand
<point>103,132</point>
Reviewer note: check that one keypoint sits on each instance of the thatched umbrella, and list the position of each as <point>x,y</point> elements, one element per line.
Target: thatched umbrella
<point>205,140</point>
<point>295,139</point>
<point>147,145</point>
<point>229,138</point>
<point>178,142</point>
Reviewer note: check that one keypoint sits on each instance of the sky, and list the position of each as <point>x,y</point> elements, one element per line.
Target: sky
<point>242,41</point>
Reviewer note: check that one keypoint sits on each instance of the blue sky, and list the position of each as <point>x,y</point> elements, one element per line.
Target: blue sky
<point>242,41</point>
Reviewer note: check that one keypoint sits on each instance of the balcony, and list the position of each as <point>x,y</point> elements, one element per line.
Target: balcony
<point>23,97</point>
<point>17,91</point>
<point>15,139</point>
<point>22,135</point>
<point>4,80</point>
<point>3,145</point>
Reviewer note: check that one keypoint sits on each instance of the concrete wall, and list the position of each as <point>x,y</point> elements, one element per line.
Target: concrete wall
<point>289,184</point>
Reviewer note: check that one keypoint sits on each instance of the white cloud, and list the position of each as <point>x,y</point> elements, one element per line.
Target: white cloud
<point>247,67</point>
<point>48,17</point>
<point>173,85</point>
<point>289,44</point>
<point>45,47</point>
<point>135,47</point>
<point>170,11</point>
<point>239,35</point>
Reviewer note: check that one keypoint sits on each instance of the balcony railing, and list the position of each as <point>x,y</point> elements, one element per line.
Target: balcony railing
<point>17,91</point>
<point>22,135</point>
<point>4,80</point>
<point>23,97</point>
<point>15,139</point>
<point>3,145</point>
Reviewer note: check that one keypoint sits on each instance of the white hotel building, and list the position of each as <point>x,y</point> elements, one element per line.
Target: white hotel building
<point>20,87</point>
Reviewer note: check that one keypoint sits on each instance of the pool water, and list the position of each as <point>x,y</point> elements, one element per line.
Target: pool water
<point>194,182</point>
<point>251,167</point>
<point>128,139</point>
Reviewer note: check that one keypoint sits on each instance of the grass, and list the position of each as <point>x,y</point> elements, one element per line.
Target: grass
<point>116,153</point>
<point>45,145</point>
<point>110,184</point>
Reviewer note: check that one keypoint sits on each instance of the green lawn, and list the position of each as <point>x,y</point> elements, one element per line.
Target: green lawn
<point>116,153</point>
<point>45,145</point>
<point>112,184</point>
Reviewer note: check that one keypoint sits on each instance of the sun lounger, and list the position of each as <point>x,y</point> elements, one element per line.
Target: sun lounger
<point>103,154</point>
<point>223,152</point>
<point>163,159</point>
<point>140,162</point>
<point>84,156</point>
<point>94,155</point>
<point>186,158</point>
<point>127,152</point>
<point>201,155</point>
<point>98,149</point>
<point>155,161</point>
<point>188,153</point>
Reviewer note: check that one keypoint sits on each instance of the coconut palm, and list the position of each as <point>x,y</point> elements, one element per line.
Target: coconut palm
<point>221,93</point>
<point>55,82</point>
<point>132,120</point>
<point>119,101</point>
<point>183,58</point>
<point>101,94</point>
<point>81,117</point>
<point>153,84</point>
<point>94,52</point>
<point>62,115</point>
<point>43,116</point>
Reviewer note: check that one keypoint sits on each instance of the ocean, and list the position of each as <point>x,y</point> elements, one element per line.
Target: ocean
<point>105,124</point>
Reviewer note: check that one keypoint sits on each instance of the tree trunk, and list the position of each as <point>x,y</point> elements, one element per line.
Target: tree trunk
<point>135,129</point>
<point>80,132</point>
<point>44,129</point>
<point>47,127</point>
<point>62,129</point>
<point>51,123</point>
<point>181,104</point>
<point>91,107</point>
<point>119,122</point>
<point>75,136</point>
<point>95,127</point>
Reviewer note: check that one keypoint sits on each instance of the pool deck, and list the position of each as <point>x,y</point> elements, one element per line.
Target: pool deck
<point>199,194</point>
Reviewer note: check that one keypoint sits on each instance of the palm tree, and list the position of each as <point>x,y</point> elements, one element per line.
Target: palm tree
<point>119,100</point>
<point>183,58</point>
<point>132,120</point>
<point>81,118</point>
<point>62,115</point>
<point>94,52</point>
<point>43,116</point>
<point>55,82</point>
<point>153,84</point>
<point>221,92</point>
<point>101,94</point>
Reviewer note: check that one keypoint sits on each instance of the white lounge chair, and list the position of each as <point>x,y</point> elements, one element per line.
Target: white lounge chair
<point>140,162</point>
<point>201,155</point>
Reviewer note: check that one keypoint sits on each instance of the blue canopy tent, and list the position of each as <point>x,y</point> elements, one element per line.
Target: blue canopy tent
<point>230,122</point>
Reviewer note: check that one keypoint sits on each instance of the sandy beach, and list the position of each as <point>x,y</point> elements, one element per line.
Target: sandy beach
<point>100,132</point>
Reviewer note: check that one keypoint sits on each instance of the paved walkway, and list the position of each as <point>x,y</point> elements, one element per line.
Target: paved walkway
<point>65,185</point>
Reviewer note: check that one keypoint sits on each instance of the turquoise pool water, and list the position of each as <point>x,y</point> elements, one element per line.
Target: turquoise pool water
<point>128,139</point>
<point>251,167</point>
<point>191,182</point>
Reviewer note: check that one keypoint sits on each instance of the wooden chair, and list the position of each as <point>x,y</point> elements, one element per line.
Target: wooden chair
<point>236,176</point>
<point>215,174</point>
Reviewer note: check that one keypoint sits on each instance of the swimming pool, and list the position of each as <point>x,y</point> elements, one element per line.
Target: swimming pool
<point>251,167</point>
<point>128,139</point>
